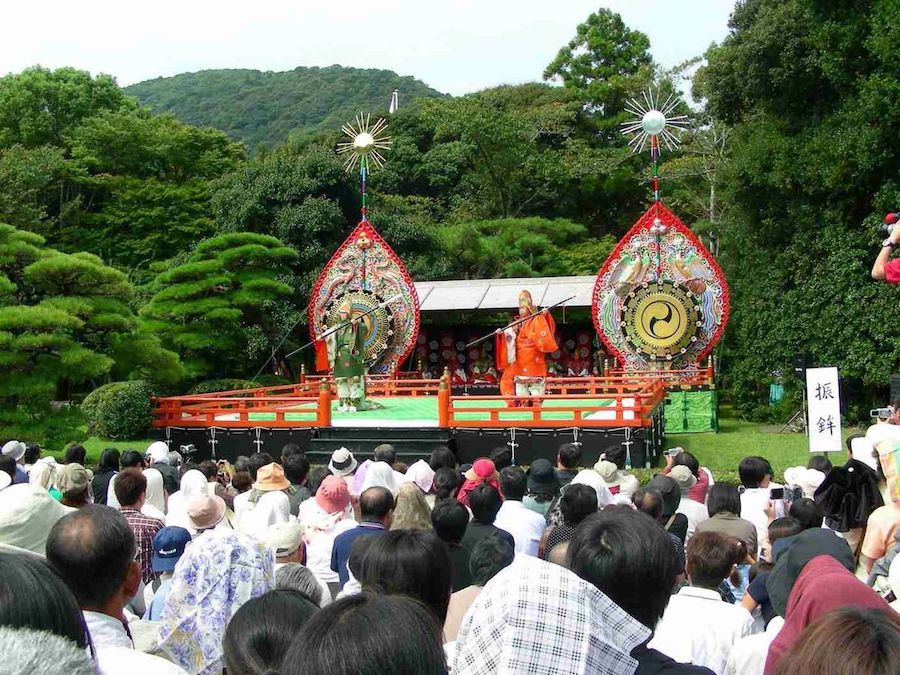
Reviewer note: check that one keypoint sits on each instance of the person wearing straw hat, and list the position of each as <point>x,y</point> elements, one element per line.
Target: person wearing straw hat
<point>343,352</point>
<point>16,450</point>
<point>695,512</point>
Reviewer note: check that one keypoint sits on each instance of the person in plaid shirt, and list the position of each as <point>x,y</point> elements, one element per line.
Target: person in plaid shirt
<point>131,490</point>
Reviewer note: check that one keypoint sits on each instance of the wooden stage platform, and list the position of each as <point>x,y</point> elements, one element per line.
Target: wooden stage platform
<point>416,415</point>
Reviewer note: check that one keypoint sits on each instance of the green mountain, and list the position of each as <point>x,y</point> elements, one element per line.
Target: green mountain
<point>263,108</point>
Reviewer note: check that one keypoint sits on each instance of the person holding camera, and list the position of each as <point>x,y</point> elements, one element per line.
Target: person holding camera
<point>884,268</point>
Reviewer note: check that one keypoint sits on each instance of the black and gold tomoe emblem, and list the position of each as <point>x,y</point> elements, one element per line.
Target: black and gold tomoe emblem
<point>377,326</point>
<point>660,319</point>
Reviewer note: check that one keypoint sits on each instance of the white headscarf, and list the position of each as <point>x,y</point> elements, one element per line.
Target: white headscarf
<point>193,484</point>
<point>272,507</point>
<point>27,512</point>
<point>155,500</point>
<point>537,617</point>
<point>43,474</point>
<point>380,474</point>
<point>421,474</point>
<point>592,479</point>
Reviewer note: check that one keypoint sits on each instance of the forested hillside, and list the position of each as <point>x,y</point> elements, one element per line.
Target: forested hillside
<point>264,108</point>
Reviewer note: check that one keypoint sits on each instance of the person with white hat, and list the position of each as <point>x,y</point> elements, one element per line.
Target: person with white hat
<point>343,464</point>
<point>694,511</point>
<point>16,450</point>
<point>158,458</point>
<point>27,513</point>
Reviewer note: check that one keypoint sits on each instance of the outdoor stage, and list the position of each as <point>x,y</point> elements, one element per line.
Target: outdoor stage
<point>417,415</point>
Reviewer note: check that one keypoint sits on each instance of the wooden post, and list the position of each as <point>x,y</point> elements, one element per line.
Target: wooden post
<point>443,400</point>
<point>324,403</point>
<point>302,373</point>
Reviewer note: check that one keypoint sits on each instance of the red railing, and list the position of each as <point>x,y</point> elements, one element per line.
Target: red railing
<point>628,401</point>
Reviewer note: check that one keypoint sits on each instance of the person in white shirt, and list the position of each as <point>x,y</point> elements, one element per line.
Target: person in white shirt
<point>749,655</point>
<point>332,516</point>
<point>526,526</point>
<point>698,626</point>
<point>695,512</point>
<point>93,550</point>
<point>756,477</point>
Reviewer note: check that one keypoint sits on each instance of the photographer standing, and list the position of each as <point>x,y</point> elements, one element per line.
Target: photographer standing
<point>884,268</point>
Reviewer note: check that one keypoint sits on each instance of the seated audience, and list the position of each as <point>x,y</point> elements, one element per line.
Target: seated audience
<point>490,555</point>
<point>413,563</point>
<point>206,512</point>
<point>74,483</point>
<point>881,526</point>
<point>819,463</point>
<point>44,475</point>
<point>131,491</point>
<point>376,508</point>
<point>422,476</point>
<point>806,512</point>
<point>442,458</point>
<point>289,450</point>
<point>543,487</point>
<point>155,497</point>
<point>703,476</point>
<point>168,547</point>
<point>698,627</point>
<point>262,630</point>
<point>158,457</point>
<point>447,482</point>
<point>501,456</point>
<point>619,481</point>
<point>757,594</point>
<point>27,651</point>
<point>242,501</point>
<point>450,520</point>
<point>581,630</point>
<point>296,470</point>
<point>674,522</point>
<point>485,502</point>
<point>16,451</point>
<point>329,517</point>
<point>315,478</point>
<point>568,457</point>
<point>339,640</point>
<point>131,459</point>
<point>724,505</point>
<point>482,472</point>
<point>378,474</point>
<point>34,596</point>
<point>211,470</point>
<point>756,477</point>
<point>241,482</point>
<point>106,469</point>
<point>523,524</point>
<point>285,539</point>
<point>808,480</point>
<point>695,511</point>
<point>629,557</point>
<point>412,511</point>
<point>862,641</point>
<point>27,514</point>
<point>93,549</point>
<point>576,503</point>
<point>218,573</point>
<point>823,584</point>
<point>297,577</point>
<point>269,507</point>
<point>343,465</point>
<point>193,484</point>
<point>649,501</point>
<point>75,453</point>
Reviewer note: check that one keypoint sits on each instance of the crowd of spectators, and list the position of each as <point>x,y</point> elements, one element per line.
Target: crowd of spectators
<point>146,563</point>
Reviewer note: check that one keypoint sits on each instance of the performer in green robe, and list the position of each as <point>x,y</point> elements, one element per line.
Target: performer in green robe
<point>346,358</point>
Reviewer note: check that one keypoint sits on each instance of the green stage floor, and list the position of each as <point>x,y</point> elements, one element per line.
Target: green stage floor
<point>412,411</point>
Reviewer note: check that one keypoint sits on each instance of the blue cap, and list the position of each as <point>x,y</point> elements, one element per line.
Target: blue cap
<point>168,547</point>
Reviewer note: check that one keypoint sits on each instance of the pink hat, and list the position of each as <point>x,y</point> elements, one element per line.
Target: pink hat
<point>483,468</point>
<point>333,495</point>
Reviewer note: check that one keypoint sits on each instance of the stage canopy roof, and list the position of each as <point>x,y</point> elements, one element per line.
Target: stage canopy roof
<point>502,294</point>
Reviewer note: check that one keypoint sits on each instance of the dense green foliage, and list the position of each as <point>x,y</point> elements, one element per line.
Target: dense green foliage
<point>811,89</point>
<point>265,108</point>
<point>119,410</point>
<point>65,322</point>
<point>211,307</point>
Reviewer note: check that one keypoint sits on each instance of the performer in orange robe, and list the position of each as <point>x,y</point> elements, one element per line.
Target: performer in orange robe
<point>521,351</point>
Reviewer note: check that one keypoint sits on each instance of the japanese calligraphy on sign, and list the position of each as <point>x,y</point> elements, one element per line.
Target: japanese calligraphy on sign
<point>824,410</point>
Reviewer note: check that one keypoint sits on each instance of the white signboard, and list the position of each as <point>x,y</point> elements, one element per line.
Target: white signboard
<point>824,410</point>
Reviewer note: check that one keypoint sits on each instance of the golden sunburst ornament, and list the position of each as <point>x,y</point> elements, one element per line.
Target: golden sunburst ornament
<point>366,141</point>
<point>651,121</point>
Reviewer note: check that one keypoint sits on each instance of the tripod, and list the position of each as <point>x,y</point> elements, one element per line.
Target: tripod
<point>797,423</point>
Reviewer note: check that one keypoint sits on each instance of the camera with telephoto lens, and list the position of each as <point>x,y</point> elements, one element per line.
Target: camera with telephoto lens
<point>881,413</point>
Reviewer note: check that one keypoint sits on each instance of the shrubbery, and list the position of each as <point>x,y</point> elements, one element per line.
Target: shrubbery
<point>119,410</point>
<point>222,384</point>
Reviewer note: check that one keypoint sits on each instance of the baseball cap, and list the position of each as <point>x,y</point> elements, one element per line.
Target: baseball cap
<point>168,547</point>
